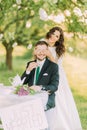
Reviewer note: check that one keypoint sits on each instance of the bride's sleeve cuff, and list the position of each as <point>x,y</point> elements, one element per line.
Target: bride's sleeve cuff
<point>27,72</point>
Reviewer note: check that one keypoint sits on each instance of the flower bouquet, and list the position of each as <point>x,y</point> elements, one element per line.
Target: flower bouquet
<point>19,88</point>
<point>23,90</point>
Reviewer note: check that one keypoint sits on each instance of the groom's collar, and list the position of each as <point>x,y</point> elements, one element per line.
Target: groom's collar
<point>40,63</point>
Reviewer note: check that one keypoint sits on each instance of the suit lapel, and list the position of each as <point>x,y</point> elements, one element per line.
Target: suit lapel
<point>32,74</point>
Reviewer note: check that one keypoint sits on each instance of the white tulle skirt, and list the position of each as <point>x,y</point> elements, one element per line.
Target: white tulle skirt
<point>65,115</point>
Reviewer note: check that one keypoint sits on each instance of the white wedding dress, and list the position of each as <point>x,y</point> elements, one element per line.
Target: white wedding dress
<point>66,116</point>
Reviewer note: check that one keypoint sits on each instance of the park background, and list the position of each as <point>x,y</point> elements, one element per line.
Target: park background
<point>24,22</point>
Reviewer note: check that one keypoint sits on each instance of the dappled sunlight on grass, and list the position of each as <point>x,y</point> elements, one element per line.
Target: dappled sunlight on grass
<point>2,50</point>
<point>76,72</point>
<point>19,51</point>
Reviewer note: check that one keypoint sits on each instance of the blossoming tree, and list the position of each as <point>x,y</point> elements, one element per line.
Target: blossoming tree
<point>22,20</point>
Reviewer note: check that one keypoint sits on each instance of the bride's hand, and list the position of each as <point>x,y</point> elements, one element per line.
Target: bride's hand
<point>49,55</point>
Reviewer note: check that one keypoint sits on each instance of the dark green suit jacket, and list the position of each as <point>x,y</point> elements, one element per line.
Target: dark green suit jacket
<point>48,78</point>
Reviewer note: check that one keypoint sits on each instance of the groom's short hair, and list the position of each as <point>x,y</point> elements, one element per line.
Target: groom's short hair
<point>41,43</point>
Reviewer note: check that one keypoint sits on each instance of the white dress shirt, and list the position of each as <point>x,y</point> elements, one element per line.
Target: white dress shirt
<point>40,63</point>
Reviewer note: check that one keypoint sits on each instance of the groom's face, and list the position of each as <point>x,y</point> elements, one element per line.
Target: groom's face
<point>39,52</point>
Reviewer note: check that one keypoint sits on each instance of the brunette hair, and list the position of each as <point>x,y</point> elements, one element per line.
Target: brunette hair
<point>60,48</point>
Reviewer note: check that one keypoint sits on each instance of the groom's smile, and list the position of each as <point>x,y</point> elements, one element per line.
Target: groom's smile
<point>40,52</point>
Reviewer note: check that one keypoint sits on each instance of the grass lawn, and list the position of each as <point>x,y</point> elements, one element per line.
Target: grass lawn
<point>76,72</point>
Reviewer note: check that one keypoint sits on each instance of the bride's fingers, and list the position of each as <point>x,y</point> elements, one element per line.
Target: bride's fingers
<point>47,52</point>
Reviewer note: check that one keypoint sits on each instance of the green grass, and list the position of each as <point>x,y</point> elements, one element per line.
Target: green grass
<point>76,82</point>
<point>81,102</point>
<point>18,68</point>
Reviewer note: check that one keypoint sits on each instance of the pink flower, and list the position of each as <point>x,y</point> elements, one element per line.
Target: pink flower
<point>22,92</point>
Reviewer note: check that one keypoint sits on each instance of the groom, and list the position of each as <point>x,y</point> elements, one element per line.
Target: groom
<point>48,78</point>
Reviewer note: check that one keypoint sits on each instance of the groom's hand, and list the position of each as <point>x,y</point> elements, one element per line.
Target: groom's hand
<point>36,88</point>
<point>31,66</point>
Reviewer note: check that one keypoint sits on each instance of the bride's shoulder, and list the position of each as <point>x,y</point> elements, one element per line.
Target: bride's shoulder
<point>43,39</point>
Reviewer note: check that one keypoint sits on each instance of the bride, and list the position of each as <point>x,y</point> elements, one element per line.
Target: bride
<point>66,116</point>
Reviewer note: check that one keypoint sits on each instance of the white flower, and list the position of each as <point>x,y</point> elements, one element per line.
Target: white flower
<point>29,46</point>
<point>43,14</point>
<point>71,21</point>
<point>70,49</point>
<point>1,36</point>
<point>59,18</point>
<point>77,11</point>
<point>14,44</point>
<point>19,7</point>
<point>85,21</point>
<point>82,19</point>
<point>18,1</point>
<point>28,24</point>
<point>26,8</point>
<point>14,5</point>
<point>85,13</point>
<point>67,13</point>
<point>32,12</point>
<point>54,1</point>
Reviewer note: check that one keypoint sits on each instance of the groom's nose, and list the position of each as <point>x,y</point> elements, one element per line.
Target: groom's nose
<point>41,51</point>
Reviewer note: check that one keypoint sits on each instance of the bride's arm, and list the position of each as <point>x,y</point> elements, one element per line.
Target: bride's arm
<point>50,56</point>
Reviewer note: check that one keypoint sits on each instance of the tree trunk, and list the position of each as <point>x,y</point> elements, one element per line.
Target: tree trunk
<point>9,58</point>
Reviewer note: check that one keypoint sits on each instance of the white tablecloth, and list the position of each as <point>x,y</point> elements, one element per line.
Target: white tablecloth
<point>8,100</point>
<point>7,97</point>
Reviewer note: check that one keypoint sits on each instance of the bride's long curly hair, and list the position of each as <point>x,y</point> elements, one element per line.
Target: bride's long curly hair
<point>60,48</point>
